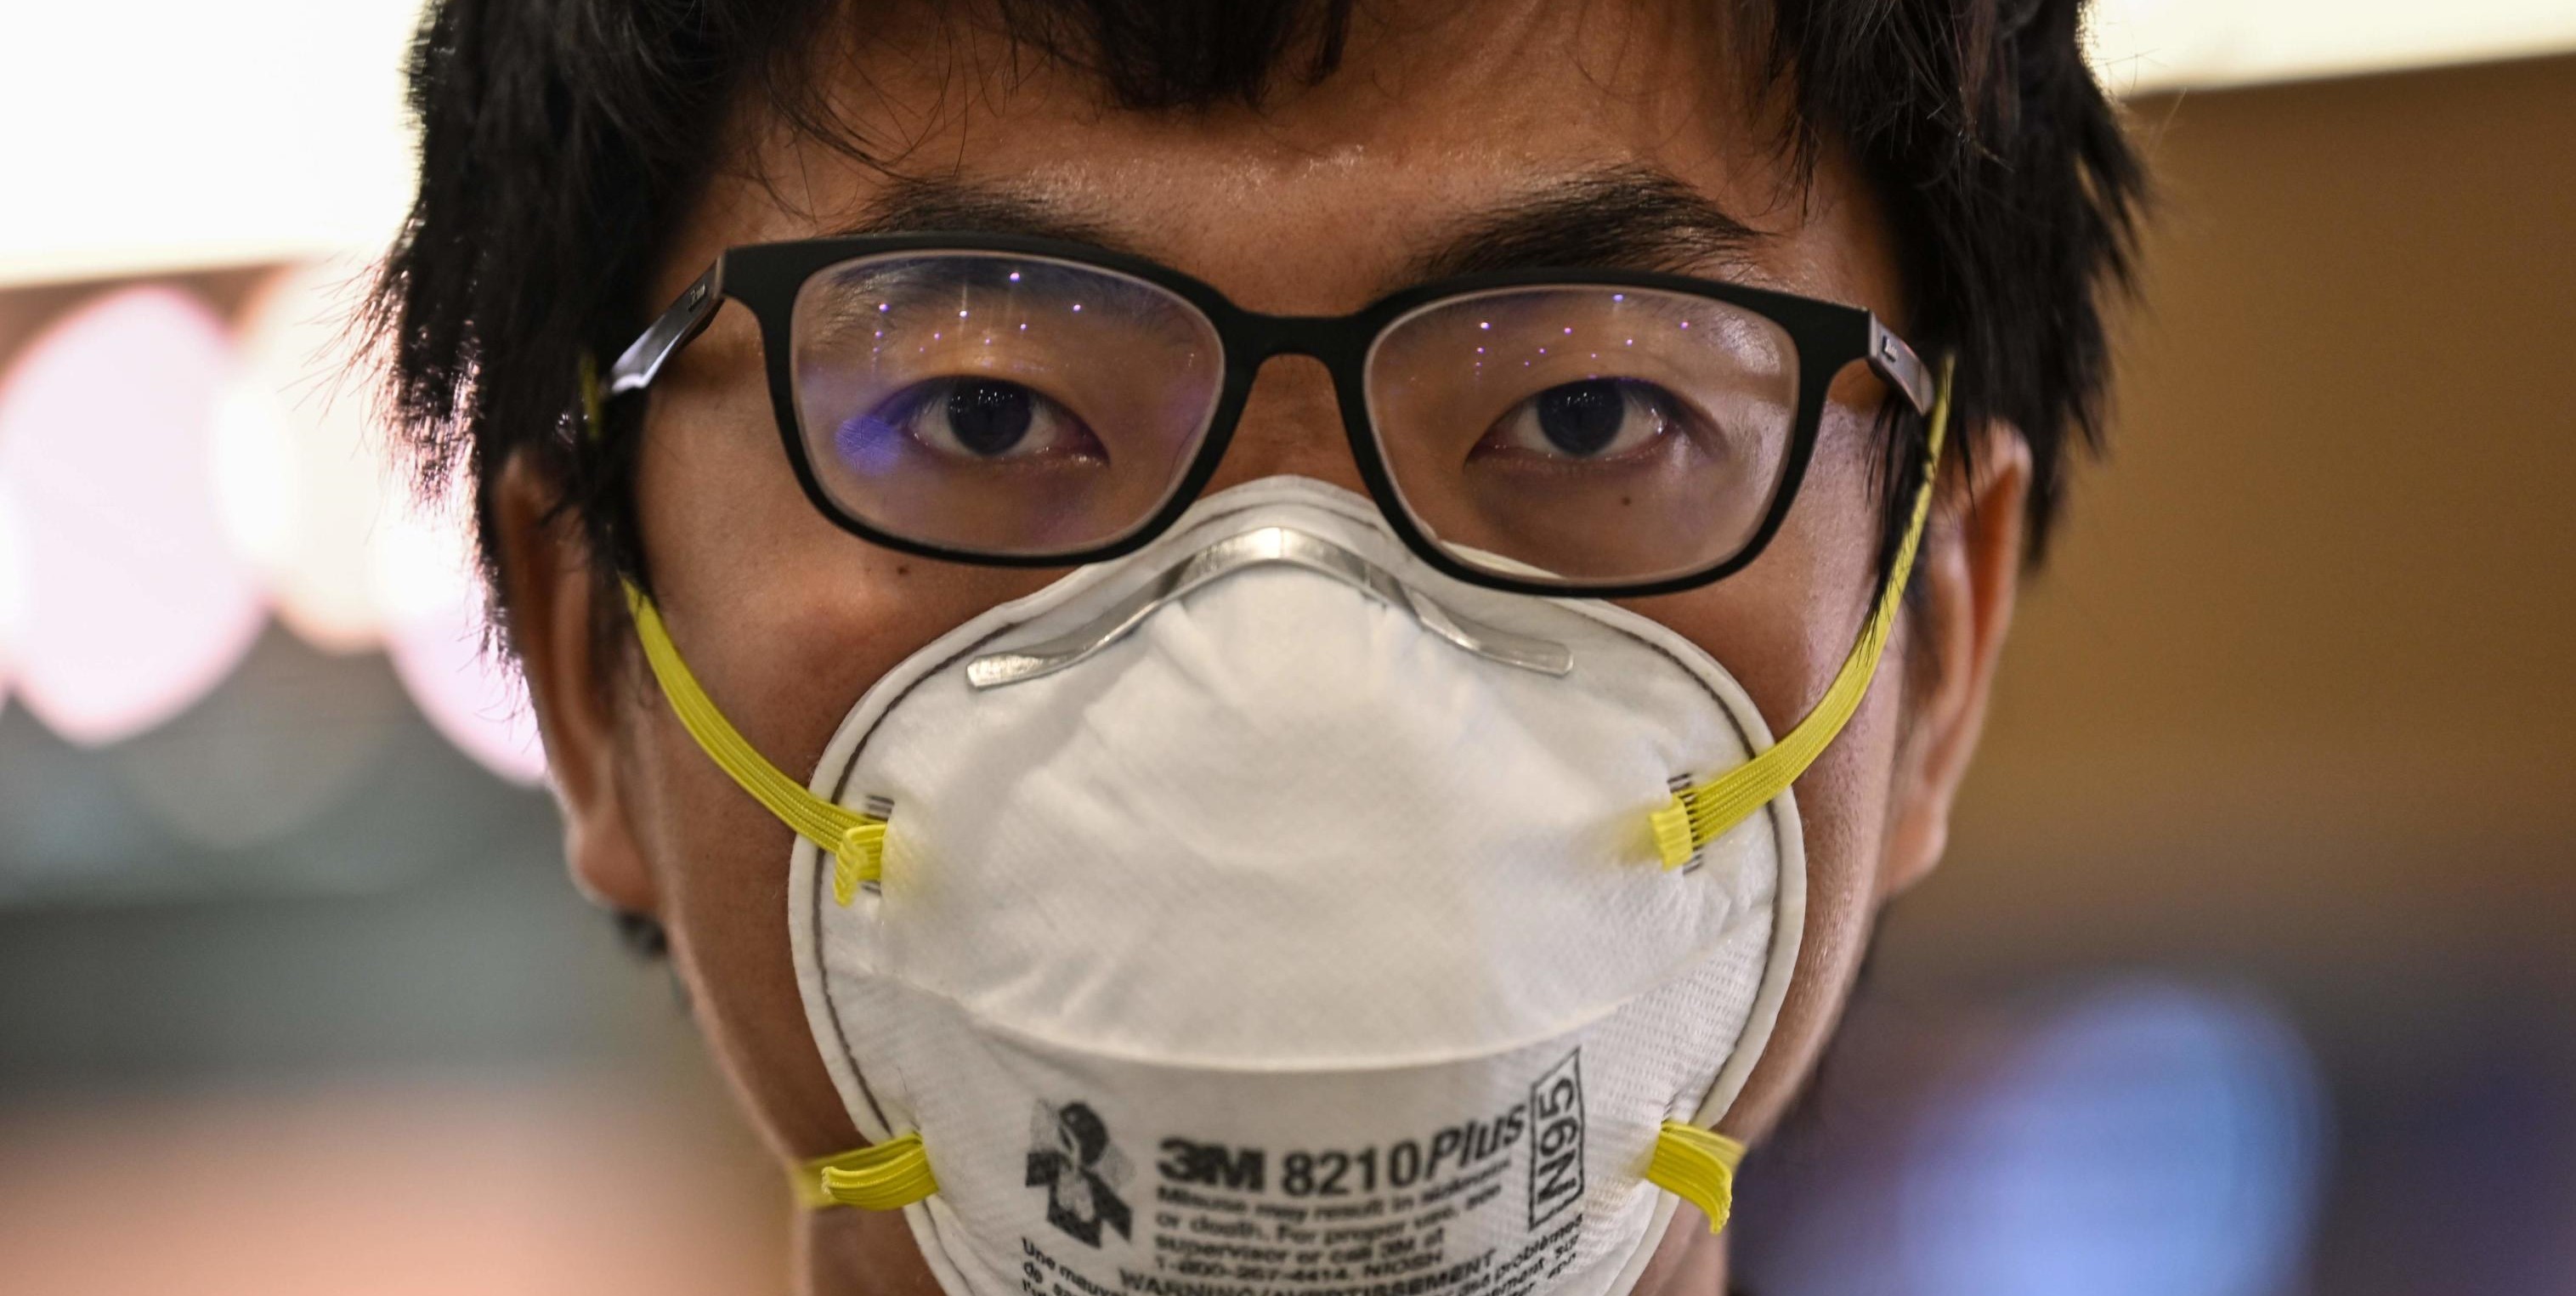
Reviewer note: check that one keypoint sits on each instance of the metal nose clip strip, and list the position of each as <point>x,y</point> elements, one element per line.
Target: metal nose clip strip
<point>1259,548</point>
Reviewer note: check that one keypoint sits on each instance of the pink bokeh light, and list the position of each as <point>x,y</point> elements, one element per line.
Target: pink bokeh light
<point>13,583</point>
<point>131,604</point>
<point>432,610</point>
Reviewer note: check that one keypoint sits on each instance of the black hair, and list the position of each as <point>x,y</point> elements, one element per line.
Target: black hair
<point>561,141</point>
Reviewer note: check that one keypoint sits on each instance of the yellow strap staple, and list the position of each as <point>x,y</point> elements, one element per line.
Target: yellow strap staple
<point>889,1176</point>
<point>1698,1166</point>
<point>1698,815</point>
<point>855,841</point>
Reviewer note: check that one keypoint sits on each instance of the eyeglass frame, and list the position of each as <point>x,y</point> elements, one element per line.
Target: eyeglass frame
<point>767,278</point>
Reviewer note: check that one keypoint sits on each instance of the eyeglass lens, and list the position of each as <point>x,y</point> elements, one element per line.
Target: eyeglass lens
<point>1000,404</point>
<point>1585,434</point>
<point>1022,406</point>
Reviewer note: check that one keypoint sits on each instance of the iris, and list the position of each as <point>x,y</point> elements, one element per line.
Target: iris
<point>1582,418</point>
<point>988,418</point>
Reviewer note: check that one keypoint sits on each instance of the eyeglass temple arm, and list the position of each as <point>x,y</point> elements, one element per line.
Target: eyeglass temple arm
<point>1892,360</point>
<point>687,318</point>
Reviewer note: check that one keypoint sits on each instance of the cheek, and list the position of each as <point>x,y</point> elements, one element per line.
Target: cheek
<point>786,620</point>
<point>1843,808</point>
<point>1782,627</point>
<point>785,617</point>
<point>721,864</point>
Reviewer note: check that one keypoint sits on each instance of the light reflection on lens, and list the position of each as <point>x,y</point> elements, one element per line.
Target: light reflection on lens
<point>1488,466</point>
<point>1596,436</point>
<point>1100,412</point>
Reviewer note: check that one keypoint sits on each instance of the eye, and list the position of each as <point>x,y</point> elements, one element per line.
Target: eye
<point>976,419</point>
<point>1598,418</point>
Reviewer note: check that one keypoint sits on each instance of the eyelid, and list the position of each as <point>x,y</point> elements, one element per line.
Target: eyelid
<point>1667,410</point>
<point>914,401</point>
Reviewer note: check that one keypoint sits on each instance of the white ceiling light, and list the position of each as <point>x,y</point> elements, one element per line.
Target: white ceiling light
<point>131,605</point>
<point>150,135</point>
<point>2143,46</point>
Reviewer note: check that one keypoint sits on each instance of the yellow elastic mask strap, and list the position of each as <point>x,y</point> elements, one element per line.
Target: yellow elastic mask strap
<point>594,405</point>
<point>1697,1166</point>
<point>855,841</point>
<point>890,1176</point>
<point>1698,815</point>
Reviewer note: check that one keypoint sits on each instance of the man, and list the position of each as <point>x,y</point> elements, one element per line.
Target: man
<point>1305,840</point>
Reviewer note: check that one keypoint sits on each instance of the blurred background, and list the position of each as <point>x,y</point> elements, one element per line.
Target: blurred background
<point>2250,970</point>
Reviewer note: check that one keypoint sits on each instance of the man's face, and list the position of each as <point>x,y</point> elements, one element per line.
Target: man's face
<point>1444,125</point>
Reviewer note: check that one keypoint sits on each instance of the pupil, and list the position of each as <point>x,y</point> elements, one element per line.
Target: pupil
<point>1580,418</point>
<point>988,417</point>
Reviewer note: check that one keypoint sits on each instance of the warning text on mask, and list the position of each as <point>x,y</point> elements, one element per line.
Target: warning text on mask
<point>1485,1206</point>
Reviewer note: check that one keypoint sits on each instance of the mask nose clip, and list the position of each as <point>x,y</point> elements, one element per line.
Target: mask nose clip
<point>1262,547</point>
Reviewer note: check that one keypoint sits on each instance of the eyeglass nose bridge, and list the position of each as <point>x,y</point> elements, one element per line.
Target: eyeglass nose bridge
<point>1339,341</point>
<point>1340,344</point>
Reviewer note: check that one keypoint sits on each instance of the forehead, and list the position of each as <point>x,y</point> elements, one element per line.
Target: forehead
<point>1437,119</point>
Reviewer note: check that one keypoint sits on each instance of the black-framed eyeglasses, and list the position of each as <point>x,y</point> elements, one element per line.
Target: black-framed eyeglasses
<point>1029,402</point>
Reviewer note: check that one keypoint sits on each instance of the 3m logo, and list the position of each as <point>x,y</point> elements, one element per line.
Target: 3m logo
<point>1556,1144</point>
<point>1071,1157</point>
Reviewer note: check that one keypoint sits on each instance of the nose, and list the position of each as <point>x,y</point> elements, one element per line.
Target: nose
<point>1291,427</point>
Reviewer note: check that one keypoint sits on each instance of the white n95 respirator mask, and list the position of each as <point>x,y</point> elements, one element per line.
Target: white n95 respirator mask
<point>1266,912</point>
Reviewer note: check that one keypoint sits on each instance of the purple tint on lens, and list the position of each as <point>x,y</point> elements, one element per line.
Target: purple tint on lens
<point>1129,371</point>
<point>869,444</point>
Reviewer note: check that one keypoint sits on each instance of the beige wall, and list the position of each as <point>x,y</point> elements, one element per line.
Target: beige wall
<point>2299,683</point>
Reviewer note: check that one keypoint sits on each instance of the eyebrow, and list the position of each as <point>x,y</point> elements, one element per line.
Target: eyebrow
<point>1626,218</point>
<point>920,206</point>
<point>1621,217</point>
